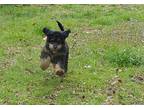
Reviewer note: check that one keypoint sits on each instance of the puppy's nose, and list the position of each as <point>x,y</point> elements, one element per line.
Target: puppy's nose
<point>55,46</point>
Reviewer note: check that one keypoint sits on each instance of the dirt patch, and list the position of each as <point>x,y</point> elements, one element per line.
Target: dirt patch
<point>138,78</point>
<point>113,86</point>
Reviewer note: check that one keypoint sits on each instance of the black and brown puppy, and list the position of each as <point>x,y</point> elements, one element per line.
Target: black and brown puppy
<point>56,50</point>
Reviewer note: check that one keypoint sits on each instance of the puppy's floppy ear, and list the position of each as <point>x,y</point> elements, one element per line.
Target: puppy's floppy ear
<point>46,31</point>
<point>66,33</point>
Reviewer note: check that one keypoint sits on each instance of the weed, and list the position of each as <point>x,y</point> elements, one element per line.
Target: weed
<point>126,57</point>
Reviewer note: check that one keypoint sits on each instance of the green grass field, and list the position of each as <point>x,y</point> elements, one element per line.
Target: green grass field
<point>106,61</point>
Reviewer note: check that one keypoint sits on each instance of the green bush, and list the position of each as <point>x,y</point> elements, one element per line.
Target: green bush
<point>126,57</point>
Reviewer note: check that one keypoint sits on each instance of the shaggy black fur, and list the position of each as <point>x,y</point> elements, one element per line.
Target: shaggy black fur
<point>56,50</point>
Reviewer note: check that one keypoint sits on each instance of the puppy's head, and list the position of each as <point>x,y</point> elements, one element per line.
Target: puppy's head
<point>55,39</point>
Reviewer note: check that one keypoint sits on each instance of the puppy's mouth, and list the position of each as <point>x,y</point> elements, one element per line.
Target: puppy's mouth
<point>55,48</point>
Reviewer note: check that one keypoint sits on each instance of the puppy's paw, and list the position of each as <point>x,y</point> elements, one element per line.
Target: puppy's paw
<point>45,63</point>
<point>60,73</point>
<point>44,67</point>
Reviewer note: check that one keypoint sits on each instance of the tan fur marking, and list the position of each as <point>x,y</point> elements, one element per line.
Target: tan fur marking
<point>59,71</point>
<point>45,63</point>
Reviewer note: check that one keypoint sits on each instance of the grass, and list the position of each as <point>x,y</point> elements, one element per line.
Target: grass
<point>126,57</point>
<point>105,61</point>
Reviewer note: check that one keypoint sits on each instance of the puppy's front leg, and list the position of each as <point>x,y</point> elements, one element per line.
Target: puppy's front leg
<point>45,63</point>
<point>45,59</point>
<point>58,69</point>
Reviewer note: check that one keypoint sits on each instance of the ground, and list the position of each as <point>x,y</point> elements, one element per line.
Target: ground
<point>106,61</point>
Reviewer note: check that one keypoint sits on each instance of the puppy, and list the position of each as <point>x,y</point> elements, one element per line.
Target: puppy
<point>55,50</point>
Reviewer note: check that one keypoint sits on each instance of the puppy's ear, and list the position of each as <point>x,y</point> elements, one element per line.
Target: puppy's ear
<point>66,33</point>
<point>46,31</point>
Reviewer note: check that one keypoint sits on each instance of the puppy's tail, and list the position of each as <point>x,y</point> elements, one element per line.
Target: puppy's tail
<point>60,25</point>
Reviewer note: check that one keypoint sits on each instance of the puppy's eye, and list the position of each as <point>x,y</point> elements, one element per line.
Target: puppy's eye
<point>58,41</point>
<point>52,40</point>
